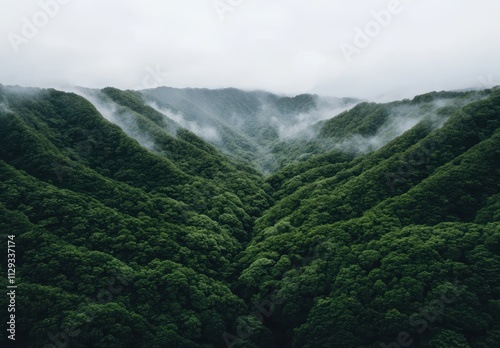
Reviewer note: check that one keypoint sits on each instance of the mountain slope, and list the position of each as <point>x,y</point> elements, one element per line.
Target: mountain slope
<point>342,253</point>
<point>90,206</point>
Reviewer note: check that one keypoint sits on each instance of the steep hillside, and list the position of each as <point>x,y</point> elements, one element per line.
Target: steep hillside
<point>355,249</point>
<point>92,209</point>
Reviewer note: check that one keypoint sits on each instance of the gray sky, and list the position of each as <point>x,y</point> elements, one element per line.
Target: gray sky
<point>328,47</point>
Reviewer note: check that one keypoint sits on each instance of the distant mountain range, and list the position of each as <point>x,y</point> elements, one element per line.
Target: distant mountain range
<point>267,130</point>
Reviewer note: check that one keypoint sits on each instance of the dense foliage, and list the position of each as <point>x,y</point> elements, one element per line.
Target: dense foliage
<point>132,231</point>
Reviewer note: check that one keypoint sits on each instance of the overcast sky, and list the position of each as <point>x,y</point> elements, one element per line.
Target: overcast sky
<point>329,47</point>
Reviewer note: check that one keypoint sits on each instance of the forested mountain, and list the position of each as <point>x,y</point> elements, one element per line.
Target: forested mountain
<point>224,218</point>
<point>248,125</point>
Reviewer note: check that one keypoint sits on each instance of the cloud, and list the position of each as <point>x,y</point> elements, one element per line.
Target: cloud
<point>300,124</point>
<point>111,111</point>
<point>206,132</point>
<point>287,46</point>
<point>4,108</point>
<point>402,118</point>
